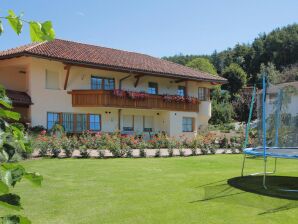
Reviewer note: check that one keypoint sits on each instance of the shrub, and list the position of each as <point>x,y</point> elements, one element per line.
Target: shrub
<point>143,145</point>
<point>54,146</point>
<point>223,143</point>
<point>181,152</point>
<point>193,151</point>
<point>84,152</point>
<point>129,153</point>
<point>171,152</point>
<point>157,153</point>
<point>37,129</point>
<point>101,154</point>
<point>68,144</point>
<point>212,150</point>
<point>204,151</point>
<point>142,153</point>
<point>42,143</point>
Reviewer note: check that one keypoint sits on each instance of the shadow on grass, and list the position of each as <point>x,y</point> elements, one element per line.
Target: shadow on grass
<point>237,191</point>
<point>278,186</point>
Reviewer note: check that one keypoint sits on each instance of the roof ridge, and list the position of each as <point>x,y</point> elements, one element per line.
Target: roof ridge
<point>100,46</point>
<point>34,44</point>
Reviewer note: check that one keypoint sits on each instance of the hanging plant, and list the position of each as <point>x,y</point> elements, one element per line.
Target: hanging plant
<point>137,95</point>
<point>119,93</point>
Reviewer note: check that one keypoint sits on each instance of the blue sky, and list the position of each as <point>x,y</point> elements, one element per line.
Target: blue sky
<point>155,27</point>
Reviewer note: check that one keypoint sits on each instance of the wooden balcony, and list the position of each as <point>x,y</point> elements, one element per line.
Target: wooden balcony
<point>105,98</point>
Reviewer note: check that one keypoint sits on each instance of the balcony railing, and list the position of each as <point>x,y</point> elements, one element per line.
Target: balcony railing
<point>107,98</point>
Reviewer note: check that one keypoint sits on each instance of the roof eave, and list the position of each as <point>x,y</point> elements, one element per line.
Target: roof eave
<point>114,68</point>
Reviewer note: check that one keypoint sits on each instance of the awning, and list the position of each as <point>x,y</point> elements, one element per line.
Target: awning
<point>19,98</point>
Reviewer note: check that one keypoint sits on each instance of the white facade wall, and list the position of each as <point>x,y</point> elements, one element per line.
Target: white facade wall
<point>46,100</point>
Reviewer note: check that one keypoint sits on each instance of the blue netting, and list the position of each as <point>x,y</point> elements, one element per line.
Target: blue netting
<point>277,120</point>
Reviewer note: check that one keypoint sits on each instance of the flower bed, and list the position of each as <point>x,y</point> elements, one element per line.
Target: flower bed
<point>103,145</point>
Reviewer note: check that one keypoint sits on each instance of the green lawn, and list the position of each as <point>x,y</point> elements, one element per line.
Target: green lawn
<point>151,190</point>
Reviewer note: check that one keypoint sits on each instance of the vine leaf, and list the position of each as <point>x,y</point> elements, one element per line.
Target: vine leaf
<point>41,31</point>
<point>12,173</point>
<point>11,201</point>
<point>1,28</point>
<point>34,178</point>
<point>15,219</point>
<point>14,22</point>
<point>3,187</point>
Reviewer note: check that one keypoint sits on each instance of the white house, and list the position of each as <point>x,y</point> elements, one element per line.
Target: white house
<point>87,87</point>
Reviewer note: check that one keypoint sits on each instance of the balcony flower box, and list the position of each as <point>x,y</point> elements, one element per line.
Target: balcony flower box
<point>137,95</point>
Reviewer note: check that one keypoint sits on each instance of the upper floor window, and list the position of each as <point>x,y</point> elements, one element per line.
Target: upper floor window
<point>52,79</point>
<point>187,124</point>
<point>102,83</point>
<point>181,91</point>
<point>203,94</point>
<point>152,88</point>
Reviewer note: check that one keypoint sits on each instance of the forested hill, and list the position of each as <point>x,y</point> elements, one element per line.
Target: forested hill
<point>278,50</point>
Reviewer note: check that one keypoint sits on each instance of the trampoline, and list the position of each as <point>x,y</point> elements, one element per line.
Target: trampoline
<point>276,126</point>
<point>286,153</point>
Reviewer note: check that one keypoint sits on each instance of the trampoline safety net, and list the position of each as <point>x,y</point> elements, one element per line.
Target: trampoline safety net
<point>277,119</point>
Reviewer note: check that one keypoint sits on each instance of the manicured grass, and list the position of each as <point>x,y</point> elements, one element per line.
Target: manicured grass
<point>151,190</point>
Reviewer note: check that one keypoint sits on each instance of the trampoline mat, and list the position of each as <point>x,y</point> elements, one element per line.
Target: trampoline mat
<point>287,152</point>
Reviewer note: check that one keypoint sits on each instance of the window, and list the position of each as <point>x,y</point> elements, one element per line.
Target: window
<point>94,122</point>
<point>67,122</point>
<point>203,94</point>
<point>74,122</point>
<point>52,79</point>
<point>52,119</point>
<point>102,83</point>
<point>181,91</point>
<point>128,122</point>
<point>109,84</point>
<point>187,124</point>
<point>148,123</point>
<point>81,122</point>
<point>152,88</point>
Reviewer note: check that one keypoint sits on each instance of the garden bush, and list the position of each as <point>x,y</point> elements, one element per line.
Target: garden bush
<point>123,145</point>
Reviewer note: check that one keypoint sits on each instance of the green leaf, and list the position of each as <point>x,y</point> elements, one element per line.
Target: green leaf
<point>12,173</point>
<point>14,22</point>
<point>15,219</point>
<point>3,188</point>
<point>41,32</point>
<point>48,31</point>
<point>35,32</point>
<point>4,156</point>
<point>5,101</point>
<point>1,28</point>
<point>9,114</point>
<point>34,178</point>
<point>10,201</point>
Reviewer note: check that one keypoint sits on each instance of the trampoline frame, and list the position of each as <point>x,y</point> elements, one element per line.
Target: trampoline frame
<point>264,147</point>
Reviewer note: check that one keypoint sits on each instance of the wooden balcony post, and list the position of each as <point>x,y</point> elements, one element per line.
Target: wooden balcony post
<point>67,67</point>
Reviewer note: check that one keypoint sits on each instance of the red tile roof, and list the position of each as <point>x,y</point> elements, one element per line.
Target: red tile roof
<point>107,58</point>
<point>19,98</point>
